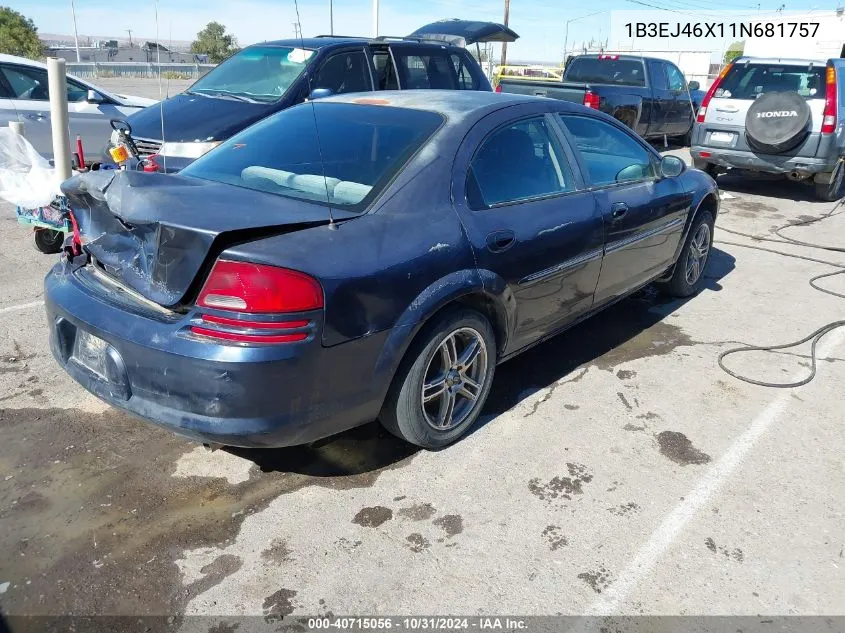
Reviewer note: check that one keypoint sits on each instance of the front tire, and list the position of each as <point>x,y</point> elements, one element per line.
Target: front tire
<point>49,242</point>
<point>443,381</point>
<point>689,269</point>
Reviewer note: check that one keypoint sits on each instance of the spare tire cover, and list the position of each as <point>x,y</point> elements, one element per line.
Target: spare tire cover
<point>777,122</point>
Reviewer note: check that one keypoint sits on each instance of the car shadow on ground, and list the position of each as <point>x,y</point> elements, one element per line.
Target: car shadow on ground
<point>766,185</point>
<point>634,328</point>
<point>370,448</point>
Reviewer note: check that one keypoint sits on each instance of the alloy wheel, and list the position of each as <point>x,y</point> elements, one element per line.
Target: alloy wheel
<point>699,249</point>
<point>454,379</point>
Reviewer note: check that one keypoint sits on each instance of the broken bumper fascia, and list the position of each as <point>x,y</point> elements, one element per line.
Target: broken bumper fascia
<point>250,396</point>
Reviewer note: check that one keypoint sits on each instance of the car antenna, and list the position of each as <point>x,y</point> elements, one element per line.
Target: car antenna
<point>160,97</point>
<point>332,225</point>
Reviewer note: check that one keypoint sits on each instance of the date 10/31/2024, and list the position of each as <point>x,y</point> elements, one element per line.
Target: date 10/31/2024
<point>722,29</point>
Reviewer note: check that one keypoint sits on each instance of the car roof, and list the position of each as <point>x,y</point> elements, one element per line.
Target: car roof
<point>322,41</point>
<point>14,59</point>
<point>786,61</point>
<point>446,102</point>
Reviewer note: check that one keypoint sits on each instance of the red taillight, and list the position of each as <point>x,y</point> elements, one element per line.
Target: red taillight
<point>608,56</point>
<point>241,337</point>
<point>591,100</point>
<point>829,115</point>
<point>499,88</point>
<point>246,287</point>
<point>706,154</point>
<point>702,110</point>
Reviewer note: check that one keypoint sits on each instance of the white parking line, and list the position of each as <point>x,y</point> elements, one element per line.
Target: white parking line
<point>22,306</point>
<point>650,553</point>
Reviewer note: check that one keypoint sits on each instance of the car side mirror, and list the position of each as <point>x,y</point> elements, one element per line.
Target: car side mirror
<point>671,166</point>
<point>94,97</point>
<point>320,93</point>
<point>693,85</point>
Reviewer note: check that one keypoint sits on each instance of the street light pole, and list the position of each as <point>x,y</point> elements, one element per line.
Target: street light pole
<point>566,32</point>
<point>331,18</point>
<point>75,34</point>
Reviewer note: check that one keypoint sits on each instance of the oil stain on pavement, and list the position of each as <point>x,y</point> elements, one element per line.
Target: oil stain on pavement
<point>93,517</point>
<point>562,487</point>
<point>677,447</point>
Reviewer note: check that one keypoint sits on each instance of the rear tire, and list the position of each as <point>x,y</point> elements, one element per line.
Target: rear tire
<point>49,242</point>
<point>434,373</point>
<point>833,190</point>
<point>692,262</point>
<point>708,168</point>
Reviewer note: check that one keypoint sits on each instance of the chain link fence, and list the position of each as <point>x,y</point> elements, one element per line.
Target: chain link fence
<point>138,70</point>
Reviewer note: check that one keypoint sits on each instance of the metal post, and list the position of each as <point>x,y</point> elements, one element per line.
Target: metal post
<point>375,18</point>
<point>331,18</point>
<point>57,86</point>
<point>505,44</point>
<point>75,35</point>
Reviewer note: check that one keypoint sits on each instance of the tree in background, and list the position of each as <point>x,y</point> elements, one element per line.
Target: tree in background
<point>734,51</point>
<point>18,35</point>
<point>214,41</point>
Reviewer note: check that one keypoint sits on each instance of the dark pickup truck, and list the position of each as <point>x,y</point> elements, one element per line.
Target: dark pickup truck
<point>649,95</point>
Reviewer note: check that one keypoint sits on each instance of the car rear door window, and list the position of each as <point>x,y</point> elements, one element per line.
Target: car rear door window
<point>465,79</point>
<point>611,155</point>
<point>657,74</point>
<point>518,162</point>
<point>421,70</point>
<point>343,72</point>
<point>749,81</point>
<point>385,71</point>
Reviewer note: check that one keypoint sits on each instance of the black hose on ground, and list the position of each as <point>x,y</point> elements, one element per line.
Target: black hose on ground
<point>815,336</point>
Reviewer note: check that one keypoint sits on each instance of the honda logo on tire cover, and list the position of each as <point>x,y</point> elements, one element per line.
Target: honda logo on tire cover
<point>776,114</point>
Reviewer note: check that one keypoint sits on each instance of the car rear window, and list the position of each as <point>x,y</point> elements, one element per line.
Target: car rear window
<point>337,153</point>
<point>624,72</point>
<point>749,81</point>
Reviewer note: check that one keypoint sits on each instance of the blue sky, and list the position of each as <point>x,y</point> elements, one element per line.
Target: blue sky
<point>540,23</point>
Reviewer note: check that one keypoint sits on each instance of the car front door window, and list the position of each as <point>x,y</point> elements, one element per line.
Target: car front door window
<point>611,155</point>
<point>343,72</point>
<point>676,79</point>
<point>518,162</point>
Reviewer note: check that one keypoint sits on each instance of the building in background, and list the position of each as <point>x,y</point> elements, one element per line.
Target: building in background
<point>829,40</point>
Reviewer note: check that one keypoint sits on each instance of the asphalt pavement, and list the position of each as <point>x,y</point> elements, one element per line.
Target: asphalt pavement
<point>616,470</point>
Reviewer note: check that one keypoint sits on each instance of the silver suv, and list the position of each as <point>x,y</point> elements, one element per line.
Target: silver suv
<point>778,116</point>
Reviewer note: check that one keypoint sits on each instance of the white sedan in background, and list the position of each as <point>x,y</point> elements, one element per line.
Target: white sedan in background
<point>24,97</point>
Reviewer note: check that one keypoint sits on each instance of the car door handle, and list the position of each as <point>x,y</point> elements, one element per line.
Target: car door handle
<point>499,241</point>
<point>36,116</point>
<point>618,210</point>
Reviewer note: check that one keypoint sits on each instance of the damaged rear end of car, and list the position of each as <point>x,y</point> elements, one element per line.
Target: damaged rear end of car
<point>159,308</point>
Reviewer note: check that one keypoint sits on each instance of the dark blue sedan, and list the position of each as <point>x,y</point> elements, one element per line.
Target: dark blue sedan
<point>363,257</point>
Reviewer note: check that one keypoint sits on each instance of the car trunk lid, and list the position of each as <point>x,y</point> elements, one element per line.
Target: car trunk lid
<point>159,234</point>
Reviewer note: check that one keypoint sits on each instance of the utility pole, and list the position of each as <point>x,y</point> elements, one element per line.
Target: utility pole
<point>331,18</point>
<point>297,30</point>
<point>75,35</point>
<point>504,44</point>
<point>130,37</point>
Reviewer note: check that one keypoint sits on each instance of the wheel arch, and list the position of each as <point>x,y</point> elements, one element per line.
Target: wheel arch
<point>467,289</point>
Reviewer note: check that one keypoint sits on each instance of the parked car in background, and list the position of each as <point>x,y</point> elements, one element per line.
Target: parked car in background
<point>649,95</point>
<point>24,97</point>
<point>266,78</point>
<point>291,284</point>
<point>781,116</point>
